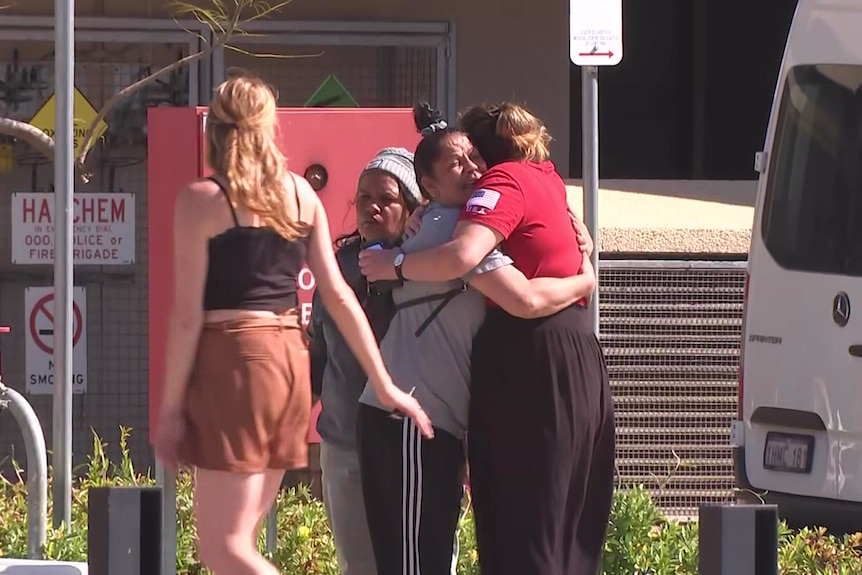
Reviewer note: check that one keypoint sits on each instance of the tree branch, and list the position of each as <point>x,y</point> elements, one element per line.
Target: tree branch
<point>89,138</point>
<point>30,134</point>
<point>222,22</point>
<point>271,56</point>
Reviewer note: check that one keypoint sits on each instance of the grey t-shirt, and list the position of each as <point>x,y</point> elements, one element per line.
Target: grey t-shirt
<point>436,362</point>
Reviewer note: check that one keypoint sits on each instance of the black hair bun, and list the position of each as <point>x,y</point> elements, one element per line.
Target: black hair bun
<point>427,119</point>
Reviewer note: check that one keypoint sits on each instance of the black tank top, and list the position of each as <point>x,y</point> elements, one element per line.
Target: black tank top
<point>253,268</point>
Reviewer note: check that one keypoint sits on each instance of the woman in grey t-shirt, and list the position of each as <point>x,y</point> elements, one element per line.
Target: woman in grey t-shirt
<point>412,486</point>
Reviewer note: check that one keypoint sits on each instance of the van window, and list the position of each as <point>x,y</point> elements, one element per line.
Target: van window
<point>812,212</point>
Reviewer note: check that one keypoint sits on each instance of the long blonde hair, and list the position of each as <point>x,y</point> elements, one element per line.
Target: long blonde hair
<point>241,131</point>
<point>506,131</point>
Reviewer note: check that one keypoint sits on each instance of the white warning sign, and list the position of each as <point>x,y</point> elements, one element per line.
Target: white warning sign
<point>39,349</point>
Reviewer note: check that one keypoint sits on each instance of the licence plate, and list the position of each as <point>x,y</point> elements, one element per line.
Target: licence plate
<point>788,452</point>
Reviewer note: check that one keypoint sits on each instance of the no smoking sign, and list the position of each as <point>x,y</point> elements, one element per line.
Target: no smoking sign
<point>39,306</point>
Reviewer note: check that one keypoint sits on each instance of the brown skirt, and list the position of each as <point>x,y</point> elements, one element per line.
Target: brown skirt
<point>248,400</point>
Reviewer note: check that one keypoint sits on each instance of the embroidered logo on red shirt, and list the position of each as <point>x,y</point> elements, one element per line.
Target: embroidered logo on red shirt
<point>482,201</point>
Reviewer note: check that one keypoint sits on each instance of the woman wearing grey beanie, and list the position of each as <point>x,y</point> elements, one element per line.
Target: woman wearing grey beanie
<point>386,195</point>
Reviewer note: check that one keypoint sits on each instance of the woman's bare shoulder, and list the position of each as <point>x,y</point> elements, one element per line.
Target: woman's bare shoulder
<point>200,190</point>
<point>200,205</point>
<point>306,197</point>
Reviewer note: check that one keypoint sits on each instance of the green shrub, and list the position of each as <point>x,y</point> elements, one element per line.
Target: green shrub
<point>305,543</point>
<point>641,541</point>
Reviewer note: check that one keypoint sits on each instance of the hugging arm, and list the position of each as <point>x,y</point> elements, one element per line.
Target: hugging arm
<point>490,216</point>
<point>456,258</point>
<point>539,297</point>
<point>469,245</point>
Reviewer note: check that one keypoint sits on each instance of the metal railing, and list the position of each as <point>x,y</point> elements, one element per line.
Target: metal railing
<point>37,469</point>
<point>37,465</point>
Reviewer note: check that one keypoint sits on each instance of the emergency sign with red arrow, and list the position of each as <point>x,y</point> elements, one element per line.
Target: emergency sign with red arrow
<point>595,32</point>
<point>608,54</point>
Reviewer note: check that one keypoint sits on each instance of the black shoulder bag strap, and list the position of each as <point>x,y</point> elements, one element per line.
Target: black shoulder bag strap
<point>444,298</point>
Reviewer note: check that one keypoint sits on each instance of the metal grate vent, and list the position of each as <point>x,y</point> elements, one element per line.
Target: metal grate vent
<point>671,335</point>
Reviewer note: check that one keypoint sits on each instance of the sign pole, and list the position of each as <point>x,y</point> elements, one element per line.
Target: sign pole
<point>590,168</point>
<point>595,40</point>
<point>64,86</point>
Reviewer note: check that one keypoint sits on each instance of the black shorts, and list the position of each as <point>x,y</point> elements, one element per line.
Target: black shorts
<point>541,444</point>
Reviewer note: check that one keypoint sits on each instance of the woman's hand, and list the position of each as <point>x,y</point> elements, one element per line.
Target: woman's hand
<point>414,223</point>
<point>171,430</point>
<point>378,265</point>
<point>405,405</point>
<point>585,241</point>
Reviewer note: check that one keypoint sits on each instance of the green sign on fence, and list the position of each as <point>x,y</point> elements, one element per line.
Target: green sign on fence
<point>331,94</point>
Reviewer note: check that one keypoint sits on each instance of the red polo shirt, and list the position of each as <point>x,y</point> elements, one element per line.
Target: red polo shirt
<point>526,203</point>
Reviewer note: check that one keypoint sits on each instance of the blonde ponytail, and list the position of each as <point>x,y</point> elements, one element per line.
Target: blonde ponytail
<point>242,147</point>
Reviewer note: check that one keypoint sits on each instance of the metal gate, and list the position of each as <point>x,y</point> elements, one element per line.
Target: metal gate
<point>671,334</point>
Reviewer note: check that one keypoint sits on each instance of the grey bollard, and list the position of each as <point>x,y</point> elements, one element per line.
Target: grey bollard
<point>738,540</point>
<point>124,534</point>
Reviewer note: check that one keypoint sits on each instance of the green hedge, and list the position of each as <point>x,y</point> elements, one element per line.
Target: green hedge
<point>640,540</point>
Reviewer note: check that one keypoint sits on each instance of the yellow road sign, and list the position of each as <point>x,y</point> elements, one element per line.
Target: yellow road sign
<point>83,112</point>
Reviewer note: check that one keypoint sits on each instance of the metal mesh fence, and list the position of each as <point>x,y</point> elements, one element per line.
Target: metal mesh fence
<point>116,318</point>
<point>376,76</point>
<point>117,351</point>
<point>671,334</point>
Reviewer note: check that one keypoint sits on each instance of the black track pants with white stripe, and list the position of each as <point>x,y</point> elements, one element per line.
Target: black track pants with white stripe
<point>412,488</point>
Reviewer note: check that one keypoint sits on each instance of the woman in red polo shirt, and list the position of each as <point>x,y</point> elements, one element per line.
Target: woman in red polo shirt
<point>541,429</point>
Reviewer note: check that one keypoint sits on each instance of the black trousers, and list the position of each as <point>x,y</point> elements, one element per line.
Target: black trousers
<point>412,489</point>
<point>541,445</point>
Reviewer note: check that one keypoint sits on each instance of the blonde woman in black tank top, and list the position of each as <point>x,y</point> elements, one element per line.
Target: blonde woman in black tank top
<point>237,392</point>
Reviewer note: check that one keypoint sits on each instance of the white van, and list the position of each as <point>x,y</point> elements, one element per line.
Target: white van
<point>798,437</point>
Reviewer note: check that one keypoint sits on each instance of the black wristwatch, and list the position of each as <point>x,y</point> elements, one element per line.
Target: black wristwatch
<point>398,262</point>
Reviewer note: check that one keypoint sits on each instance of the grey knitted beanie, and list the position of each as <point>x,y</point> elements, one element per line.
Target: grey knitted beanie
<point>398,162</point>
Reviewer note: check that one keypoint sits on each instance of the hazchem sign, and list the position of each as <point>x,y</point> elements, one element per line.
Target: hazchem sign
<point>103,229</point>
<point>39,348</point>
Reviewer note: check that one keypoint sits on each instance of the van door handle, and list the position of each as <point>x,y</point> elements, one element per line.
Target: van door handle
<point>856,350</point>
